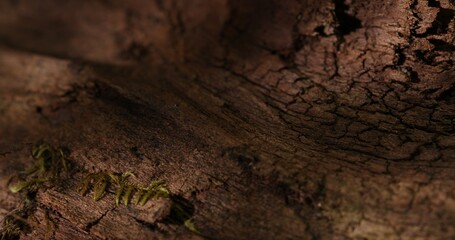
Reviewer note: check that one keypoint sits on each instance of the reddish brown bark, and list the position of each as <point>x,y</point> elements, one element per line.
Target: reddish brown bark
<point>275,119</point>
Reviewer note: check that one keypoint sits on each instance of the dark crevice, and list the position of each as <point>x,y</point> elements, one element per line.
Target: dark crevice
<point>297,44</point>
<point>426,57</point>
<point>320,31</point>
<point>90,225</point>
<point>149,225</point>
<point>440,45</point>
<point>412,6</point>
<point>430,91</point>
<point>448,95</point>
<point>39,109</point>
<point>136,152</point>
<point>400,56</point>
<point>347,23</point>
<point>414,77</point>
<point>243,156</point>
<point>434,3</point>
<point>441,24</point>
<point>181,211</point>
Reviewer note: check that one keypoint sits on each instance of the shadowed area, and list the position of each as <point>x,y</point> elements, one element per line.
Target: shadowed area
<point>265,119</point>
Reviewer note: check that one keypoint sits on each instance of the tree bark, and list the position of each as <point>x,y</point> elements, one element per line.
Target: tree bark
<point>274,119</point>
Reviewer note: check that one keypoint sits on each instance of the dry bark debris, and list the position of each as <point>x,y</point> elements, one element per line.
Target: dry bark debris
<point>276,119</point>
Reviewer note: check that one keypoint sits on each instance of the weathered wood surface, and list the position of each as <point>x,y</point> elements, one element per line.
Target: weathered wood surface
<point>276,119</point>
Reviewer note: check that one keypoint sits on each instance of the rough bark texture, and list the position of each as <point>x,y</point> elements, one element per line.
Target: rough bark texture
<point>277,119</point>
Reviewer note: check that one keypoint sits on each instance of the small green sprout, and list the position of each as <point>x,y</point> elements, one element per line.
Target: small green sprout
<point>155,189</point>
<point>100,183</point>
<point>139,194</point>
<point>63,160</point>
<point>121,182</point>
<point>190,225</point>
<point>181,209</point>
<point>84,185</point>
<point>127,196</point>
<point>99,189</point>
<point>125,191</point>
<point>49,163</point>
<point>25,185</point>
<point>48,159</point>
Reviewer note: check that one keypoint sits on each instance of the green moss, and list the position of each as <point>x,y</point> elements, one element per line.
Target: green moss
<point>49,164</point>
<point>123,187</point>
<point>102,181</point>
<point>190,225</point>
<point>181,209</point>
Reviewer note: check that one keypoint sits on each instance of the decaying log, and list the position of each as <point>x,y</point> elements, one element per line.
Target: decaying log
<point>272,119</point>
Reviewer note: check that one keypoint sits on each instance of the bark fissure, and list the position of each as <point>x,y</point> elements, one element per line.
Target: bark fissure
<point>275,119</point>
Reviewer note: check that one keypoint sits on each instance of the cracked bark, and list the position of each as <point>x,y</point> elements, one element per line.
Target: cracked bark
<point>276,119</point>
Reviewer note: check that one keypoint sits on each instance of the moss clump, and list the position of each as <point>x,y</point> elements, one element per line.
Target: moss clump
<point>50,163</point>
<point>102,181</point>
<point>181,209</point>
